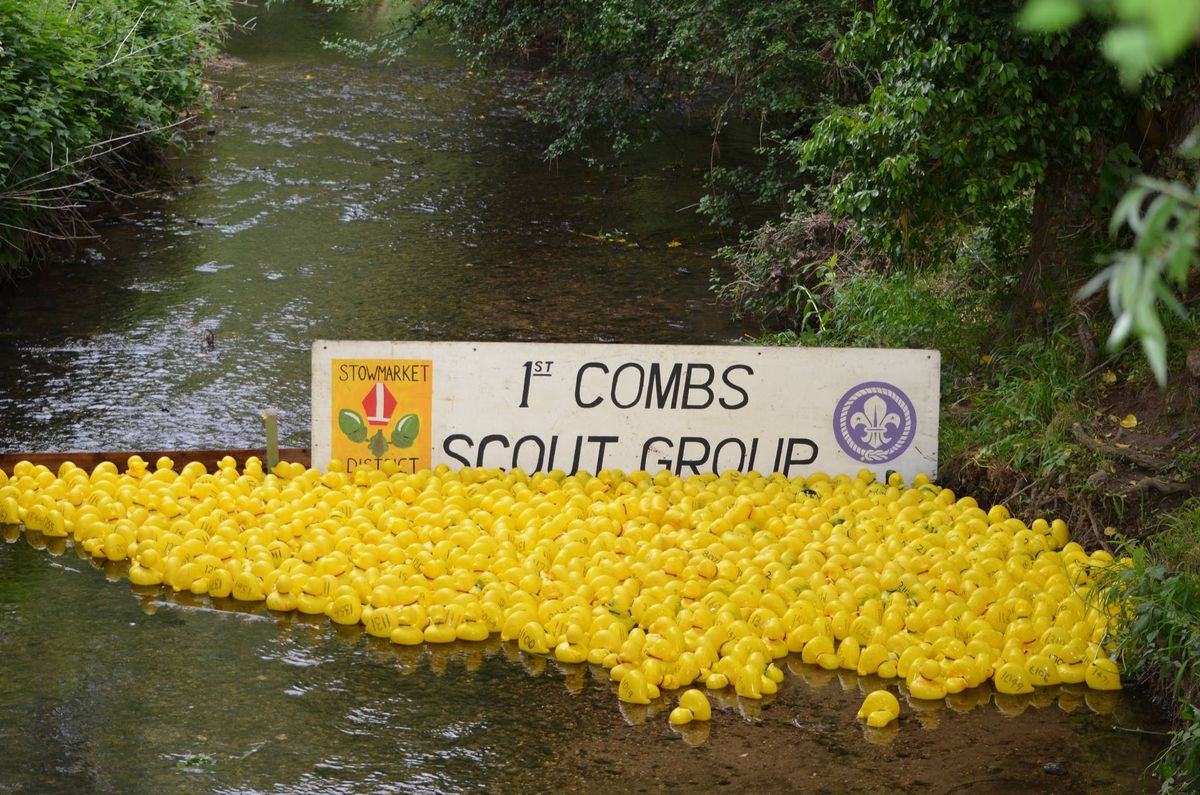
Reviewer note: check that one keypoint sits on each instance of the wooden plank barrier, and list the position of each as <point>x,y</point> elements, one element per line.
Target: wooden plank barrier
<point>89,459</point>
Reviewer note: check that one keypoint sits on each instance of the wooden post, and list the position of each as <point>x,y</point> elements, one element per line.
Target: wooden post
<point>271,426</point>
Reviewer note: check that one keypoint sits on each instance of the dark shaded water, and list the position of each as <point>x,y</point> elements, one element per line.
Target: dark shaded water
<point>334,199</point>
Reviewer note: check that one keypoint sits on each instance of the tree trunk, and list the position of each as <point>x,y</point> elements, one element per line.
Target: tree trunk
<point>1061,204</point>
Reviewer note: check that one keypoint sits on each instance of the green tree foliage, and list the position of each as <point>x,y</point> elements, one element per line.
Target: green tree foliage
<point>911,125</point>
<point>1142,36</point>
<point>964,117</point>
<point>80,84</point>
<point>1162,217</point>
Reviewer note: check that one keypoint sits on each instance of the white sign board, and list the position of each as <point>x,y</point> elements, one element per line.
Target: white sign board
<point>687,409</point>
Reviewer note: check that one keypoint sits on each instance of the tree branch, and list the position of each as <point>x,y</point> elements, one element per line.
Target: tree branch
<point>1143,460</point>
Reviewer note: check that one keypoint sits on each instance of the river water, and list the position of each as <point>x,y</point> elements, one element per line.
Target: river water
<point>332,199</point>
<point>329,199</point>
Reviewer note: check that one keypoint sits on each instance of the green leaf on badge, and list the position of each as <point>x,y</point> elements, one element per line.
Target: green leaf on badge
<point>351,423</point>
<point>378,445</point>
<point>406,431</point>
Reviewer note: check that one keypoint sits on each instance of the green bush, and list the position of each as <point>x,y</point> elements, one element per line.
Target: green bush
<point>1157,637</point>
<point>912,309</point>
<point>82,86</point>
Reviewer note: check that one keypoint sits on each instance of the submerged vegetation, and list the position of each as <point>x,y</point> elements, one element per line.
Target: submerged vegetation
<point>86,91</point>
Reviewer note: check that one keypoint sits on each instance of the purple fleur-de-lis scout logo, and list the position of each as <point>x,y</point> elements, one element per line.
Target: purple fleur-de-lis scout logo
<point>874,422</point>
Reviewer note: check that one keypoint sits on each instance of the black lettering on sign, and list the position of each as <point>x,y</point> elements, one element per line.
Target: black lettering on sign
<point>601,442</point>
<point>412,373</point>
<point>454,438</point>
<point>657,386</point>
<point>541,454</point>
<point>485,441</point>
<point>639,385</point>
<point>725,376</point>
<point>532,370</point>
<point>694,463</point>
<point>407,466</point>
<point>745,456</point>
<point>658,390</point>
<point>579,385</point>
<point>648,447</point>
<point>794,458</point>
<point>699,378</point>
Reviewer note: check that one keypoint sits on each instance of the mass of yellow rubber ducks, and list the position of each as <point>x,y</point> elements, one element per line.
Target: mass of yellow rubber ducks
<point>666,581</point>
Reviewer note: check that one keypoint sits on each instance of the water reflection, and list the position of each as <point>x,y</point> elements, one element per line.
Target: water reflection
<point>160,688</point>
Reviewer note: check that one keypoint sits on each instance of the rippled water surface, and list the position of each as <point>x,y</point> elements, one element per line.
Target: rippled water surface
<point>334,199</point>
<point>329,198</point>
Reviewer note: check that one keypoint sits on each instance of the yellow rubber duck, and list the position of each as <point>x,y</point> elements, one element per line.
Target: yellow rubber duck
<point>817,647</point>
<point>571,648</point>
<point>282,597</point>
<point>879,708</point>
<point>664,580</point>
<point>220,584</point>
<point>410,625</point>
<point>681,716</point>
<point>1103,674</point>
<point>379,621</point>
<point>870,658</point>
<point>10,511</point>
<point>407,635</point>
<point>716,681</point>
<point>1012,679</point>
<point>472,627</point>
<point>247,588</point>
<point>514,623</point>
<point>604,642</point>
<point>697,703</point>
<point>141,575</point>
<point>345,609</point>
<point>1043,672</point>
<point>633,688</point>
<point>749,682</point>
<point>440,629</point>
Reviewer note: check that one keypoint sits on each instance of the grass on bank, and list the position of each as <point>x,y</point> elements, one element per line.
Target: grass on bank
<point>1159,638</point>
<point>86,91</point>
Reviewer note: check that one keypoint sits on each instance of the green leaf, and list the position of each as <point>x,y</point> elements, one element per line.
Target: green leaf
<point>1173,24</point>
<point>1155,346</point>
<point>1158,215</point>
<point>378,445</point>
<point>1095,283</point>
<point>1190,147</point>
<point>1127,211</point>
<point>1120,330</point>
<point>406,431</point>
<point>1134,50</point>
<point>1050,16</point>
<point>350,422</point>
<point>1167,297</point>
